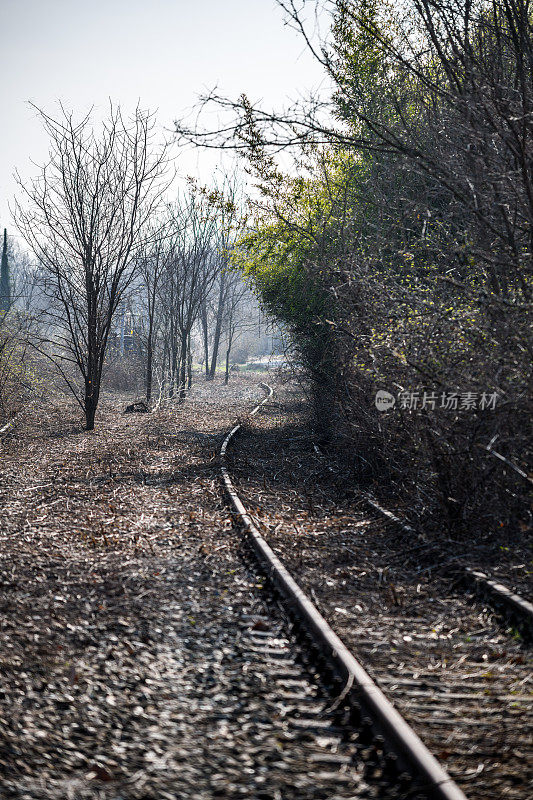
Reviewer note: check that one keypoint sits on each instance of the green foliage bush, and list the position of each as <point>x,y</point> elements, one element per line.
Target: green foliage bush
<point>391,272</point>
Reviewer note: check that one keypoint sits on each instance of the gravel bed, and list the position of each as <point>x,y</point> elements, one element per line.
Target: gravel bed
<point>445,660</point>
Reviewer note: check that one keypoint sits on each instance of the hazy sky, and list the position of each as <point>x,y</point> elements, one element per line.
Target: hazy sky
<point>161,52</point>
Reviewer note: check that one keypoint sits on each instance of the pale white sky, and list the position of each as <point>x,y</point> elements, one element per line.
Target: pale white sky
<point>161,52</point>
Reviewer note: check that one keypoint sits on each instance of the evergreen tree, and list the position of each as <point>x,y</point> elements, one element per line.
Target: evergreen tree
<point>5,288</point>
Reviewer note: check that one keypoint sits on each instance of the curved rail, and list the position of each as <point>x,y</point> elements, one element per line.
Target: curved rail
<point>509,603</point>
<point>360,689</point>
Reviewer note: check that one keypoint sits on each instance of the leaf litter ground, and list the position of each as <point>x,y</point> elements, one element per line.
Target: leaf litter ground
<point>122,668</point>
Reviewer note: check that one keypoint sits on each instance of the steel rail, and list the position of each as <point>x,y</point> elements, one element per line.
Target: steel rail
<point>509,602</point>
<point>8,425</point>
<point>360,689</point>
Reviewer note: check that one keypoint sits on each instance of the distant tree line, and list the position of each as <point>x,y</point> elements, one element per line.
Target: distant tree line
<point>104,236</point>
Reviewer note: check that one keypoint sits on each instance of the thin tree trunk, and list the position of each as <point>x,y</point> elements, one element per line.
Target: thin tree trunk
<point>89,405</point>
<point>226,379</point>
<point>91,377</point>
<point>164,363</point>
<point>149,362</point>
<point>174,368</point>
<point>218,326</point>
<point>92,393</point>
<point>203,315</point>
<point>228,351</point>
<point>183,368</point>
<point>189,363</point>
<point>149,371</point>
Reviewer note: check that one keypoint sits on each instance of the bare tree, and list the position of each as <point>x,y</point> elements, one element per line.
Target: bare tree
<point>153,263</point>
<point>231,220</point>
<point>222,295</point>
<point>189,275</point>
<point>235,319</point>
<point>85,218</point>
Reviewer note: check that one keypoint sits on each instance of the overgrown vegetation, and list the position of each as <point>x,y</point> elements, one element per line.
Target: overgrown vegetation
<point>400,256</point>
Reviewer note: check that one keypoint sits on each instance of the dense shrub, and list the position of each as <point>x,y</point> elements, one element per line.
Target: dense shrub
<point>401,258</point>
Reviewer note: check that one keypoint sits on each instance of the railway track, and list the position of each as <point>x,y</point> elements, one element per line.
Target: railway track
<point>367,717</point>
<point>516,609</point>
<point>478,718</point>
<point>217,688</point>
